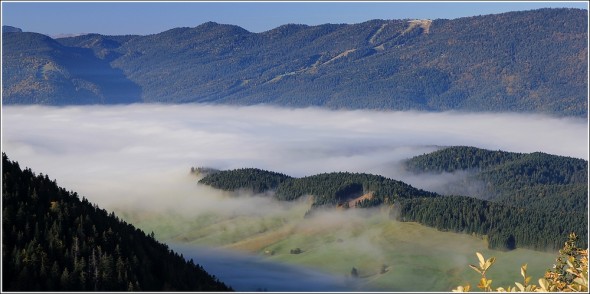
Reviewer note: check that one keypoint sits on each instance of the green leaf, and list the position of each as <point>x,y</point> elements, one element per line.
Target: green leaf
<point>488,263</point>
<point>492,260</point>
<point>481,259</point>
<point>462,289</point>
<point>482,283</point>
<point>544,285</point>
<point>520,286</point>
<point>579,281</point>
<point>527,280</point>
<point>475,268</point>
<point>523,270</point>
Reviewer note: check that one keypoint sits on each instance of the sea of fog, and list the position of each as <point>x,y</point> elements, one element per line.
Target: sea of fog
<point>139,156</point>
<point>111,149</point>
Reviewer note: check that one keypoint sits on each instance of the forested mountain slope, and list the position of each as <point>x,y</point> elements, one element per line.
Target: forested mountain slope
<point>541,197</point>
<point>534,190</point>
<point>37,69</point>
<point>53,241</point>
<point>529,61</point>
<point>535,180</point>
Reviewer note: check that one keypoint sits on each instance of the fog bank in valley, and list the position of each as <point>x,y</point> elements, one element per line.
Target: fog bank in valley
<point>118,152</point>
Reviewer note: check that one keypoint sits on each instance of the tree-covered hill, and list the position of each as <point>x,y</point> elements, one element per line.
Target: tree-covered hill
<point>530,194</point>
<point>339,188</point>
<point>250,179</point>
<point>528,61</point>
<point>459,158</point>
<point>328,189</point>
<point>53,241</point>
<point>536,180</point>
<point>540,199</point>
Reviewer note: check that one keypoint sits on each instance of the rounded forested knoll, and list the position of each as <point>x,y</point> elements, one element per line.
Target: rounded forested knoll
<point>537,197</point>
<point>250,179</point>
<point>53,241</point>
<point>450,159</point>
<point>540,180</point>
<point>330,189</point>
<point>539,169</point>
<point>340,187</point>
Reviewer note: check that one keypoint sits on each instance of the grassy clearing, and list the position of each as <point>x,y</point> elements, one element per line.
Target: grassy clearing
<point>388,255</point>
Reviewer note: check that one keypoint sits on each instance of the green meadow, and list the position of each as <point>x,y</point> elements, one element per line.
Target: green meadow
<point>388,255</point>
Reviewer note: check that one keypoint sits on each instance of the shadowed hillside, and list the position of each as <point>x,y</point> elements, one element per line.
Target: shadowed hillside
<point>37,69</point>
<point>530,61</point>
<point>53,241</point>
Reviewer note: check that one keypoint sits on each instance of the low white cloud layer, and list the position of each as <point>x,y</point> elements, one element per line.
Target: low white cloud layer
<point>124,151</point>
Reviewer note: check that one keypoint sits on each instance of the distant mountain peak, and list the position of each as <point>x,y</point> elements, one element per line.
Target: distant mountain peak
<point>70,35</point>
<point>209,24</point>
<point>215,25</point>
<point>11,29</point>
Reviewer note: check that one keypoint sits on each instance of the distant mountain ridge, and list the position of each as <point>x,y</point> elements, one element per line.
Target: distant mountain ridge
<point>529,61</point>
<point>11,29</point>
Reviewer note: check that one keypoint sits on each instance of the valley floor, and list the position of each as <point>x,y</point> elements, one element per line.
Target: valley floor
<point>387,255</point>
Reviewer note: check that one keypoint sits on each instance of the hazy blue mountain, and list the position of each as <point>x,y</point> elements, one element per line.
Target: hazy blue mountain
<point>37,69</point>
<point>530,61</point>
<point>11,29</point>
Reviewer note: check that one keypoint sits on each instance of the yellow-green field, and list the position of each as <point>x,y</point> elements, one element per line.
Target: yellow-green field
<point>388,255</point>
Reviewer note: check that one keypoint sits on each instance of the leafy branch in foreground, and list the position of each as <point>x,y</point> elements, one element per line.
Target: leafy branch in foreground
<point>569,274</point>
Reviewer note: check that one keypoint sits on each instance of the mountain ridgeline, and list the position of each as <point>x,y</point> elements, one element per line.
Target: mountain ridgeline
<point>53,241</point>
<point>528,61</point>
<point>539,198</point>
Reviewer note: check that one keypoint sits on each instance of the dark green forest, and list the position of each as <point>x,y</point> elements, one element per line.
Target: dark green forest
<point>54,241</point>
<point>505,227</point>
<point>249,179</point>
<point>530,194</point>
<point>526,61</point>
<point>328,189</point>
<point>339,188</point>
<point>535,180</point>
<point>539,198</point>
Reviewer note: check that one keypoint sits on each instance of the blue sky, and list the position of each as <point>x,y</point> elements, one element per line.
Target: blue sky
<point>118,18</point>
